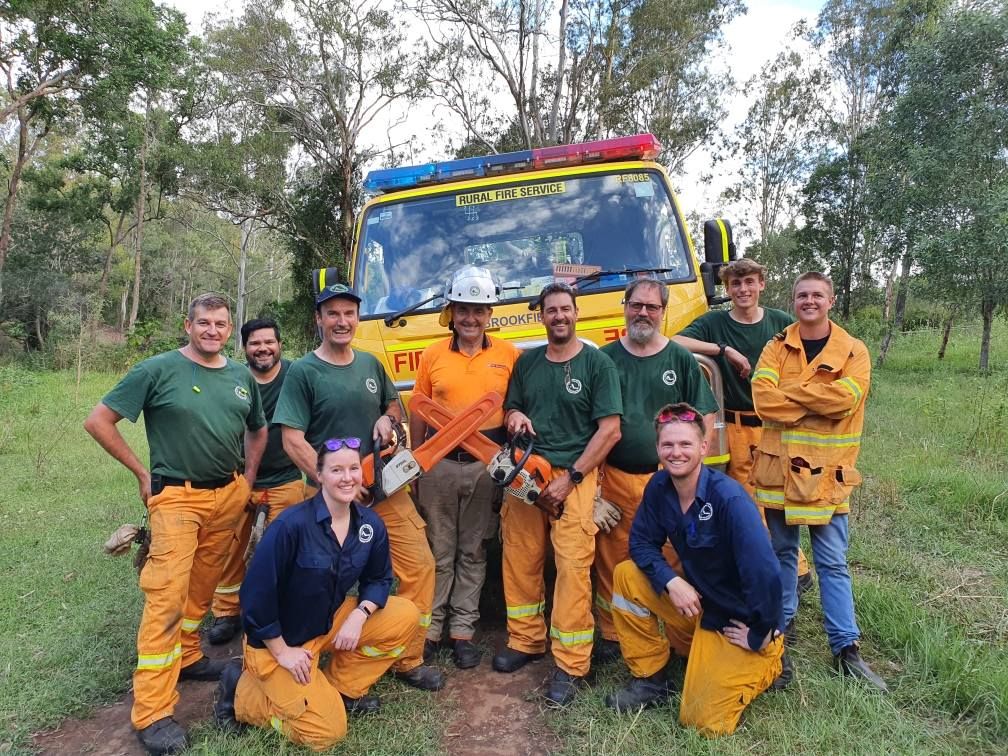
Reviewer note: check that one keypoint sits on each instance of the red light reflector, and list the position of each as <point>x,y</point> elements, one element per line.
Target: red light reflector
<point>638,147</point>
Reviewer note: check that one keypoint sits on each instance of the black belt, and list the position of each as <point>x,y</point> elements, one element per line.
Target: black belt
<point>460,455</point>
<point>746,418</point>
<point>204,484</point>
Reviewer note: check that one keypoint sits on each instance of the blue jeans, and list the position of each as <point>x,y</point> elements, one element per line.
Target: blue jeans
<point>829,554</point>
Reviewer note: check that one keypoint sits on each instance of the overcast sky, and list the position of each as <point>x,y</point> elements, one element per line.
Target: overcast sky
<point>753,39</point>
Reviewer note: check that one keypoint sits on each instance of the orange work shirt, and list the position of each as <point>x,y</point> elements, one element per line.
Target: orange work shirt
<point>455,380</point>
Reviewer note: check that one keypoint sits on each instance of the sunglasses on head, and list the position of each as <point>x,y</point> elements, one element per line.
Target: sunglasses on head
<point>335,444</point>
<point>682,416</point>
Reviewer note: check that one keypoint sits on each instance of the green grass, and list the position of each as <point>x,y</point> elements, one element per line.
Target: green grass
<point>929,551</point>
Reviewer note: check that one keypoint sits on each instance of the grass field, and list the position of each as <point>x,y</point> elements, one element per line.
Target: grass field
<point>929,550</point>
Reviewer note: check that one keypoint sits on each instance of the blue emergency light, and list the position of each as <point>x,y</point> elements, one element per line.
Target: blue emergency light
<point>639,147</point>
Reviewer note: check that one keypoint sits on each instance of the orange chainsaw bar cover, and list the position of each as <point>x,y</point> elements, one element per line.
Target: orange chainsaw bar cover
<point>476,444</point>
<point>452,433</point>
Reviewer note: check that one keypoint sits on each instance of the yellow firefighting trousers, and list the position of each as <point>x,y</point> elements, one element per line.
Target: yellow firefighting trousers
<point>625,490</point>
<point>225,598</point>
<point>721,678</point>
<point>525,530</point>
<point>192,530</point>
<point>741,440</point>
<point>313,715</point>
<point>412,563</point>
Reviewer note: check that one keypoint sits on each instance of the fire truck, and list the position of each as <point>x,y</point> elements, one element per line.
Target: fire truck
<point>596,215</point>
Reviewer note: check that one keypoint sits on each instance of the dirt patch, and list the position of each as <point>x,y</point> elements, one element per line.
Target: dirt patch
<point>109,730</point>
<point>498,714</point>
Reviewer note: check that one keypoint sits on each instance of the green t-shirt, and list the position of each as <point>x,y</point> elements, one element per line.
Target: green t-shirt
<point>718,327</point>
<point>564,400</point>
<point>335,401</point>
<point>192,435</point>
<point>276,467</point>
<point>648,383</point>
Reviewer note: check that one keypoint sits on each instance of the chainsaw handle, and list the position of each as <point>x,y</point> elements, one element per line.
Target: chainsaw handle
<point>518,462</point>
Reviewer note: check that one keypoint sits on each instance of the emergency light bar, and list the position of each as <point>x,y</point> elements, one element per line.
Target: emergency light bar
<point>639,147</point>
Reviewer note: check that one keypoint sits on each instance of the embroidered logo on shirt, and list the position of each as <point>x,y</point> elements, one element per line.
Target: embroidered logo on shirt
<point>573,386</point>
<point>669,377</point>
<point>372,385</point>
<point>706,512</point>
<point>365,534</point>
<point>242,393</point>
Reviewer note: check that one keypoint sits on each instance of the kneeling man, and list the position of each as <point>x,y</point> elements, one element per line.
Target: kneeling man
<point>295,607</point>
<point>725,615</point>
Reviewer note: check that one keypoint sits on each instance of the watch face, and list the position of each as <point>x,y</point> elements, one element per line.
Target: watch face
<point>576,476</point>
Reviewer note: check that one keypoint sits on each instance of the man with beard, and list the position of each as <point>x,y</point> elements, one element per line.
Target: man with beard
<point>202,415</point>
<point>338,392</point>
<point>567,396</point>
<point>278,484</point>
<point>653,371</point>
<point>723,612</point>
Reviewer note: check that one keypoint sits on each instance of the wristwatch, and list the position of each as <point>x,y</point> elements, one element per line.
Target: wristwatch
<point>721,349</point>
<point>576,475</point>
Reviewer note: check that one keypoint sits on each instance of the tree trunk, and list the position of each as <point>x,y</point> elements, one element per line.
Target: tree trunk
<point>138,236</point>
<point>946,332</point>
<point>25,149</point>
<point>902,290</point>
<point>890,289</point>
<point>245,237</point>
<point>987,314</point>
<point>115,239</point>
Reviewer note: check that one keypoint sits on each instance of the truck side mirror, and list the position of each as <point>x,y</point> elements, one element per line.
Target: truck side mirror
<point>322,277</point>
<point>719,249</point>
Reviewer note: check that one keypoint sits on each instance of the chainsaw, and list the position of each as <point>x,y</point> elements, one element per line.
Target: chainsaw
<point>391,468</point>
<point>523,477</point>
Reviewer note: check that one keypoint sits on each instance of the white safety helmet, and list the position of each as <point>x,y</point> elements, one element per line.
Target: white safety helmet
<point>471,285</point>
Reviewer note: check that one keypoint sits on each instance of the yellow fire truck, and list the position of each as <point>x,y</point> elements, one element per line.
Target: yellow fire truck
<point>596,214</point>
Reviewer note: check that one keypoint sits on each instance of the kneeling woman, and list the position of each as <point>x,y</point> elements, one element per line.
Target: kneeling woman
<point>295,608</point>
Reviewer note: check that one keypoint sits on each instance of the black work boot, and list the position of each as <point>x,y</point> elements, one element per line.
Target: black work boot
<point>205,669</point>
<point>605,651</point>
<point>805,584</point>
<point>642,692</point>
<point>430,649</point>
<point>465,653</point>
<point>224,704</point>
<point>423,677</point>
<point>849,662</point>
<point>563,687</point>
<point>364,705</point>
<point>223,629</point>
<point>786,676</point>
<point>790,634</point>
<point>510,660</point>
<point>164,736</point>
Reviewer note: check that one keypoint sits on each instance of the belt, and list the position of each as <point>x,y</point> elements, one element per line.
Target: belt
<point>205,484</point>
<point>458,454</point>
<point>745,418</point>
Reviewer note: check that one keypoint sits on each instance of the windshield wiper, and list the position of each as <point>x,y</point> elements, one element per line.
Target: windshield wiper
<point>600,273</point>
<point>391,320</point>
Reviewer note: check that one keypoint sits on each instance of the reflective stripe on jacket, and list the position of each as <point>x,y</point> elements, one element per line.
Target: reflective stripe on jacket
<point>813,415</point>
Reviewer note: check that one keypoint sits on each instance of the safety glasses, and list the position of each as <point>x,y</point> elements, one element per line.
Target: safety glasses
<point>335,444</point>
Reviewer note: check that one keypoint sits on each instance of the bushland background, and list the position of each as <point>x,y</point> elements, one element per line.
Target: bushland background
<point>146,161</point>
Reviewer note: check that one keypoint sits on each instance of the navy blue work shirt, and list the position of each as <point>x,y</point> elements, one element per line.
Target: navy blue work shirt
<point>299,575</point>
<point>724,548</point>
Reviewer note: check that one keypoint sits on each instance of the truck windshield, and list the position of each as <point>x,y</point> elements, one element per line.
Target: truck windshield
<point>528,233</point>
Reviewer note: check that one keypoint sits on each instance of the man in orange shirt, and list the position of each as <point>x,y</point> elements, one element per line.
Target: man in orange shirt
<point>456,497</point>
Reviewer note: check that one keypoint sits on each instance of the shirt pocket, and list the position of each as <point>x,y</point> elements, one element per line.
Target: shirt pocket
<point>314,561</point>
<point>767,470</point>
<point>702,540</point>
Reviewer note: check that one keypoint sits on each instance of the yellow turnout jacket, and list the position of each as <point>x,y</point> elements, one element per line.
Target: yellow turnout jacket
<point>813,414</point>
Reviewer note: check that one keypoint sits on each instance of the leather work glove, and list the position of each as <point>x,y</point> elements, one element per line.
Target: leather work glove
<point>258,528</point>
<point>121,540</point>
<point>606,514</point>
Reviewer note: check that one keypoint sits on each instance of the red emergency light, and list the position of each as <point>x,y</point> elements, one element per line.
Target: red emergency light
<point>638,147</point>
